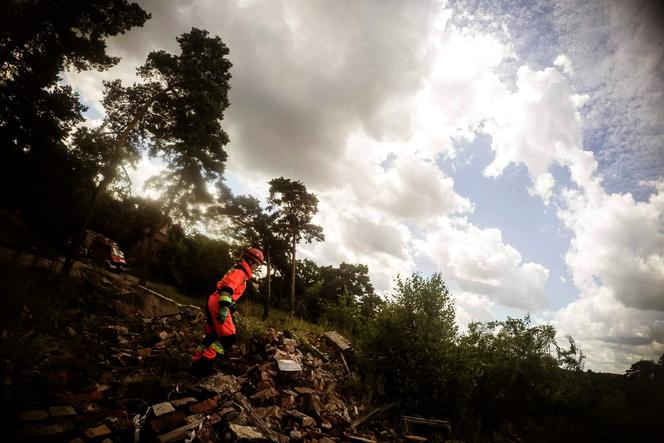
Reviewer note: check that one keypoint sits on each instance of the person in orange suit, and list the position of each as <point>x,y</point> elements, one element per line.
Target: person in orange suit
<point>219,329</point>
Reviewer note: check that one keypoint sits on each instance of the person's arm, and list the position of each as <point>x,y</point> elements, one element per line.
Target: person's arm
<point>226,305</point>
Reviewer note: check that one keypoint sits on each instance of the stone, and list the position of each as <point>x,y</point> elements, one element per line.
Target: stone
<point>265,394</point>
<point>304,390</point>
<point>220,384</point>
<point>162,409</point>
<point>304,419</point>
<point>289,341</point>
<point>77,440</point>
<point>97,432</point>
<point>288,402</point>
<point>246,433</point>
<point>289,366</point>
<point>325,440</point>
<point>163,335</point>
<point>144,352</point>
<point>61,411</point>
<point>35,415</point>
<point>183,401</point>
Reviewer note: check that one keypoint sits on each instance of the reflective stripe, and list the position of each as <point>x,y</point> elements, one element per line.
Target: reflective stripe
<point>225,298</point>
<point>216,346</point>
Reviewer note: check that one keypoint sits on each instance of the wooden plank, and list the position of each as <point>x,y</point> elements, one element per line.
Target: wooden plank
<point>426,421</point>
<point>359,438</point>
<point>371,415</point>
<point>255,418</point>
<point>179,433</point>
<point>343,359</point>
<point>339,340</point>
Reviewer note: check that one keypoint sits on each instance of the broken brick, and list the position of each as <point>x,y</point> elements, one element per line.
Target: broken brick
<point>36,415</point>
<point>167,422</point>
<point>97,432</point>
<point>61,411</point>
<point>304,390</point>
<point>80,398</point>
<point>162,409</point>
<point>265,394</point>
<point>183,401</point>
<point>203,407</point>
<point>245,433</point>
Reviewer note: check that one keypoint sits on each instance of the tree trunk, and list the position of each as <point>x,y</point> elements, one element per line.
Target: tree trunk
<point>101,187</point>
<point>147,257</point>
<point>292,285</point>
<point>266,306</point>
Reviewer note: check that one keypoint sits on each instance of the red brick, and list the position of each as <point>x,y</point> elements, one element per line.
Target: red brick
<point>203,407</point>
<point>80,398</point>
<point>167,422</point>
<point>214,419</point>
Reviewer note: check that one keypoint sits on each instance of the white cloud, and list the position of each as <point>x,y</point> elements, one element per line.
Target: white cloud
<point>479,262</point>
<point>539,126</point>
<point>619,242</point>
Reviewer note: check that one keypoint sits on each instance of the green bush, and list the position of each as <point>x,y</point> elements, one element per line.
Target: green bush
<point>409,345</point>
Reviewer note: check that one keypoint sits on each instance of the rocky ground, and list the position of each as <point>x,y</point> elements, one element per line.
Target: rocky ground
<point>116,370</point>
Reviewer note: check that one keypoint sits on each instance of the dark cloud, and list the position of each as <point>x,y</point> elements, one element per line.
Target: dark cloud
<point>305,74</point>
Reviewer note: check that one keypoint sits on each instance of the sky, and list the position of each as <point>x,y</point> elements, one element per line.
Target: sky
<point>515,147</point>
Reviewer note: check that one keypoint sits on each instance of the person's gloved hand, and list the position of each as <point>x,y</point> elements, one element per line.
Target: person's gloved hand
<point>233,308</point>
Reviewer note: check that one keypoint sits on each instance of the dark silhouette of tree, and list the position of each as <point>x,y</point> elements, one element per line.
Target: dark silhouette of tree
<point>174,114</point>
<point>38,40</point>
<point>643,370</point>
<point>294,208</point>
<point>253,225</point>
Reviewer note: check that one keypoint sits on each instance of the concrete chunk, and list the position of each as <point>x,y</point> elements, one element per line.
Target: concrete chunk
<point>162,409</point>
<point>61,411</point>
<point>289,366</point>
<point>97,432</point>
<point>246,433</point>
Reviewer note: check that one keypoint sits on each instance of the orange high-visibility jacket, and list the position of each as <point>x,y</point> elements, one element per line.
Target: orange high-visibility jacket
<point>219,303</point>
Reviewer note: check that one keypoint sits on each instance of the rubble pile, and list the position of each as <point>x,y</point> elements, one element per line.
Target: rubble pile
<point>121,375</point>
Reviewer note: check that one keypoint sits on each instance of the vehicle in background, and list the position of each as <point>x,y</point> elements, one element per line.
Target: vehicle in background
<point>105,252</point>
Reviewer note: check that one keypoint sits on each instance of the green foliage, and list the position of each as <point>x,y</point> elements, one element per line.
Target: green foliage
<point>408,345</point>
<point>194,263</point>
<point>293,209</point>
<point>38,40</point>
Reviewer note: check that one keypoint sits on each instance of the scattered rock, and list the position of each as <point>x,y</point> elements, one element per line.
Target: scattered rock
<point>96,432</point>
<point>162,409</point>
<point>245,433</point>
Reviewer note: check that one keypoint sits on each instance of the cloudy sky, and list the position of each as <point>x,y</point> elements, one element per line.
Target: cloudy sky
<point>518,150</point>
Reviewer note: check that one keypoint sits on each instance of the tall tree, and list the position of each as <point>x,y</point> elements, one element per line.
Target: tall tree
<point>38,40</point>
<point>294,208</point>
<point>174,114</point>
<point>253,225</point>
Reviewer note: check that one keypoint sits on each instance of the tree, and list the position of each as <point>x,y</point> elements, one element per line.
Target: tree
<point>175,114</point>
<point>252,225</point>
<point>409,343</point>
<point>294,208</point>
<point>643,370</point>
<point>38,40</point>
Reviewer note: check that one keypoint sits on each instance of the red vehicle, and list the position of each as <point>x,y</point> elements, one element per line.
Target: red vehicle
<point>107,253</point>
